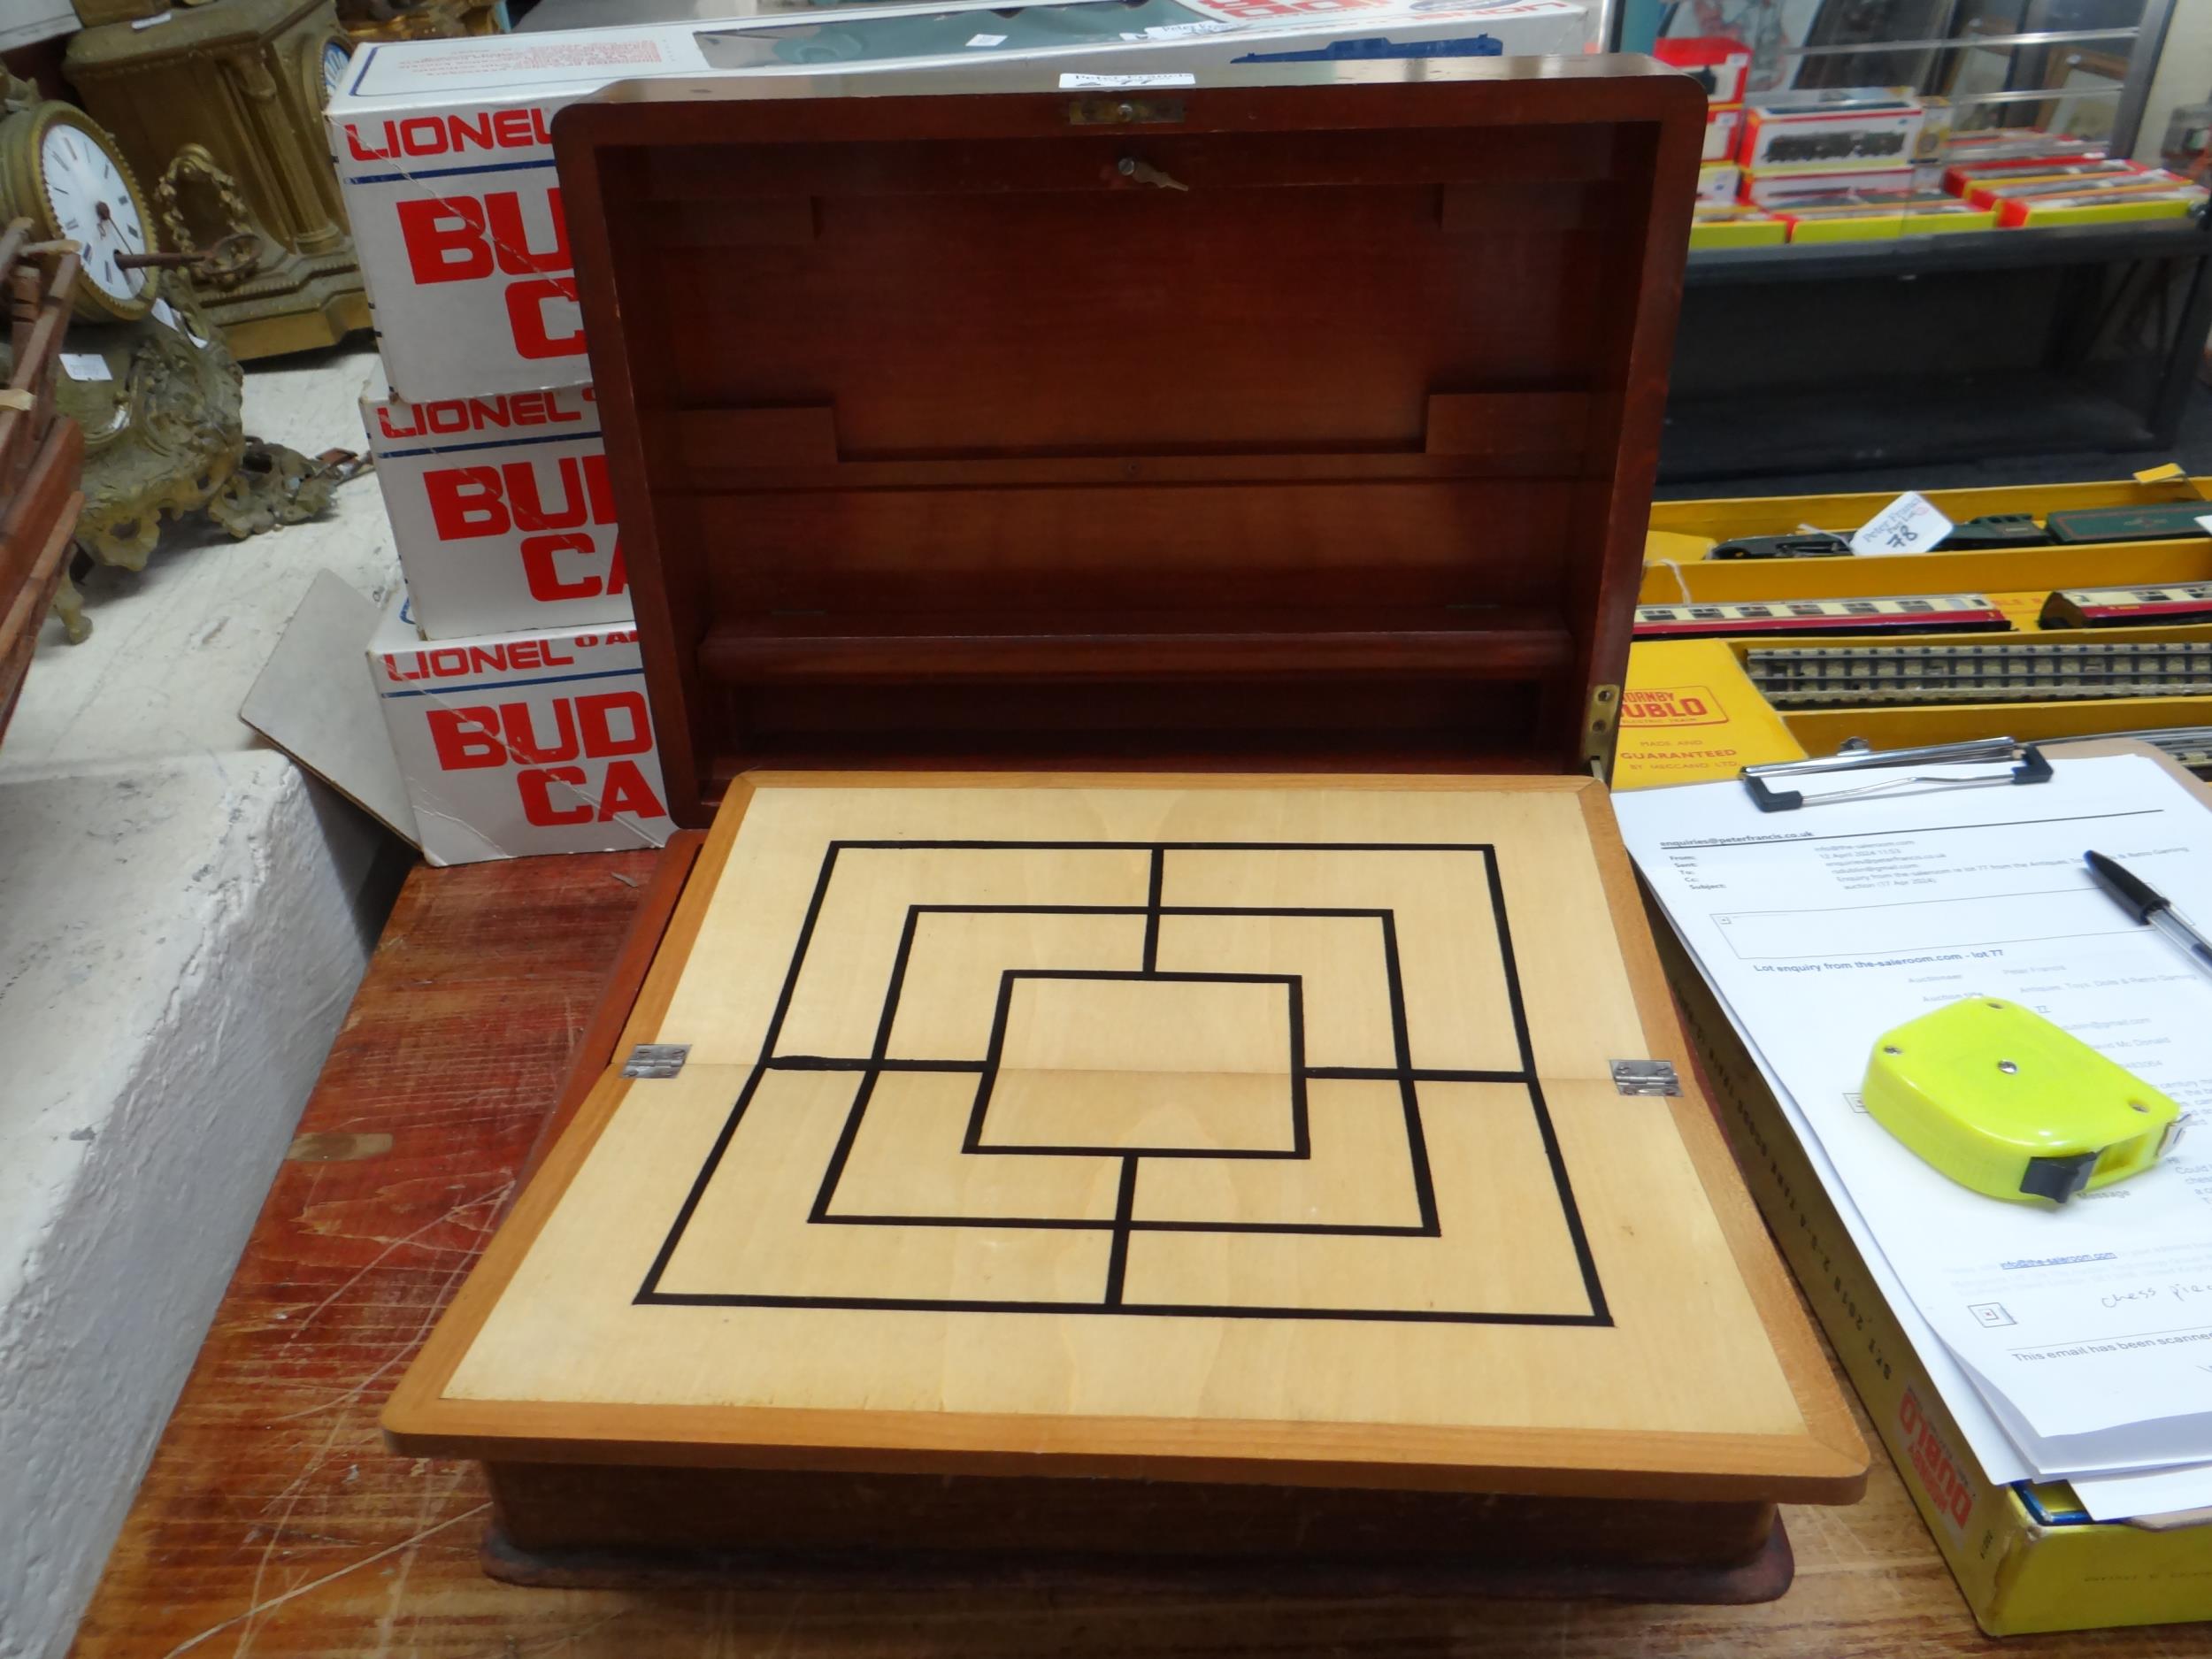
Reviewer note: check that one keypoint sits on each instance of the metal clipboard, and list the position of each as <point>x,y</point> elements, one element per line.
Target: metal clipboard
<point>2029,766</point>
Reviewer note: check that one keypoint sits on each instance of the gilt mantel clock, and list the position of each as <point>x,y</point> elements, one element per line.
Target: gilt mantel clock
<point>418,20</point>
<point>224,101</point>
<point>61,171</point>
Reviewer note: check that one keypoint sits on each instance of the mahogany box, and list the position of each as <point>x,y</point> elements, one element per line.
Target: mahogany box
<point>1159,1068</point>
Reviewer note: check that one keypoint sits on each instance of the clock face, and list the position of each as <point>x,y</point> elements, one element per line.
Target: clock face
<point>91,203</point>
<point>337,55</point>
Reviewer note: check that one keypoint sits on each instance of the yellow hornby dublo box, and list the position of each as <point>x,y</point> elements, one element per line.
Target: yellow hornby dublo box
<point>1689,715</point>
<point>2026,1558</point>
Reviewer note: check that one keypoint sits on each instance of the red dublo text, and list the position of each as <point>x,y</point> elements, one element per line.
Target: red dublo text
<point>554,505</point>
<point>473,239</point>
<point>1947,1487</point>
<point>608,726</point>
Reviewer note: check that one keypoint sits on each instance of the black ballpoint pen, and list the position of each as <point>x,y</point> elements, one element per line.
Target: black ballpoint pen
<point>2146,904</point>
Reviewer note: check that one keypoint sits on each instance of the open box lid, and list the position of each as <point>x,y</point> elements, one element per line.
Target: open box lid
<point>1297,415</point>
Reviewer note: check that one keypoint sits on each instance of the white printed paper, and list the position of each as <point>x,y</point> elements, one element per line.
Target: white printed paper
<point>2001,1462</point>
<point>986,39</point>
<point>2089,1326</point>
<point>2155,1492</point>
<point>86,366</point>
<point>169,314</point>
<point>1911,524</point>
<point>1118,82</point>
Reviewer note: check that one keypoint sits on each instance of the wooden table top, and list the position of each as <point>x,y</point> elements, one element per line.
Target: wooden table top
<point>273,1522</point>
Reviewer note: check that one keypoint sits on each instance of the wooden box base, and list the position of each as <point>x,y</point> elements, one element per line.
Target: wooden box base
<point>587,1526</point>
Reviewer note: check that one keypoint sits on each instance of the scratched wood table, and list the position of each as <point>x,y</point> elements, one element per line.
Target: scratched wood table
<point>273,1520</point>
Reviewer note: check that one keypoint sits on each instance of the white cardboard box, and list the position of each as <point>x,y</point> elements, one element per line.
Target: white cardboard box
<point>1718,182</point>
<point>1832,128</point>
<point>501,510</point>
<point>1724,127</point>
<point>444,150</point>
<point>519,744</point>
<point>1778,187</point>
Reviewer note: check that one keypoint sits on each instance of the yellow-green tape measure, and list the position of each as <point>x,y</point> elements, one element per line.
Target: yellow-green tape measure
<point>2002,1101</point>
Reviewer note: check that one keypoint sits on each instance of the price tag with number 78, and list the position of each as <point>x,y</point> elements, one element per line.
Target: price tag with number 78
<point>1911,524</point>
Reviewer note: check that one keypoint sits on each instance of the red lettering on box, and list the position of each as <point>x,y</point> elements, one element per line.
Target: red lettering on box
<point>519,721</point>
<point>598,717</point>
<point>543,575</point>
<point>465,238</point>
<point>535,786</point>
<point>511,236</point>
<point>626,791</point>
<point>464,502</point>
<point>466,739</point>
<point>531,506</point>
<point>448,134</point>
<point>535,337</point>
<point>445,239</point>
<point>480,414</point>
<point>1941,1475</point>
<point>468,502</point>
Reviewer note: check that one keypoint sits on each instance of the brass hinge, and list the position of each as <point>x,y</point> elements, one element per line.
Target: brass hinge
<point>1599,729</point>
<point>656,1059</point>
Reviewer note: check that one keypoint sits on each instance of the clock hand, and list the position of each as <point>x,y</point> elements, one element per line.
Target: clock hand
<point>109,224</point>
<point>133,237</point>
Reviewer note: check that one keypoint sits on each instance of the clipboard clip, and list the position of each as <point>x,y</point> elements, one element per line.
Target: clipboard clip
<point>2027,761</point>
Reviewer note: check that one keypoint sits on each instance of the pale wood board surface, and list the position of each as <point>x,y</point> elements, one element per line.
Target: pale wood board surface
<point>1309,1204</point>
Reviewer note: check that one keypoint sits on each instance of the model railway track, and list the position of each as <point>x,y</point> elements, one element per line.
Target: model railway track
<point>1894,677</point>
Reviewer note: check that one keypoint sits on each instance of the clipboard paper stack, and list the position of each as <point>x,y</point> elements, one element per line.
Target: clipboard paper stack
<point>2042,1375</point>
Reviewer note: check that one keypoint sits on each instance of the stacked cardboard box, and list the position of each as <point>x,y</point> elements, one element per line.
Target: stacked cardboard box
<point>510,675</point>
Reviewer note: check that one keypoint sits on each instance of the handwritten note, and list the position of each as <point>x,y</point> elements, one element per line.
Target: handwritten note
<point>1911,524</point>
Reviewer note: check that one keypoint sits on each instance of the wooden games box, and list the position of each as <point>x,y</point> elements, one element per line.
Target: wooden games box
<point>1159,1067</point>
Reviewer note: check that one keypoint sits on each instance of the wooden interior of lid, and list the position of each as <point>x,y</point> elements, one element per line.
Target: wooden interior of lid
<point>944,429</point>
